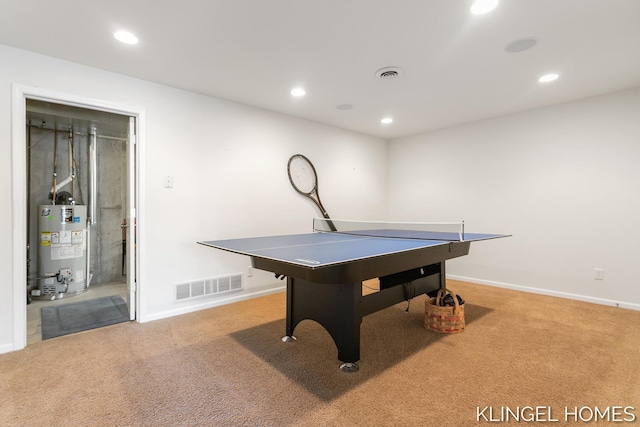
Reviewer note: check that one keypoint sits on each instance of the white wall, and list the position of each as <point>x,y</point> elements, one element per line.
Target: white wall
<point>229,167</point>
<point>564,181</point>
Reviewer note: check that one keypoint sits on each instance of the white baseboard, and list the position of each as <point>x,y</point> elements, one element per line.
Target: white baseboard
<point>567,295</point>
<point>6,348</point>
<point>212,303</point>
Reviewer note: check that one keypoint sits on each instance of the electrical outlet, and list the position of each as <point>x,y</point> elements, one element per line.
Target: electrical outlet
<point>598,273</point>
<point>168,181</point>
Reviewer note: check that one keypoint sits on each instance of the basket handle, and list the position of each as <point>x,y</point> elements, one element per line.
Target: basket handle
<point>443,293</point>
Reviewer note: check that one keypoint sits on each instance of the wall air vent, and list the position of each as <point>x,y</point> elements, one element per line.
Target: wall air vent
<point>210,287</point>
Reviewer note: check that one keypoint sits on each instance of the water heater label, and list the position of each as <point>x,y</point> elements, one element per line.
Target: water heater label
<point>63,252</point>
<point>45,238</point>
<point>64,237</point>
<point>77,237</point>
<point>66,214</point>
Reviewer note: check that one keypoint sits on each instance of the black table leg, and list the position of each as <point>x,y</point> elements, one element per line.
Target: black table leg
<point>335,306</point>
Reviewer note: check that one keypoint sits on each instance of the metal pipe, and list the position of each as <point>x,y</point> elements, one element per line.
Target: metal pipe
<point>55,166</point>
<point>72,170</point>
<point>93,197</point>
<point>72,167</point>
<point>93,175</point>
<point>88,275</point>
<point>113,138</point>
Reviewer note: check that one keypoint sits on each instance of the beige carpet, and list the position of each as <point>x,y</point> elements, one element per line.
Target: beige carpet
<point>227,367</point>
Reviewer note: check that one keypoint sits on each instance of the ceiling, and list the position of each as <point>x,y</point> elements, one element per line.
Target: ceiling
<point>47,115</point>
<point>454,65</point>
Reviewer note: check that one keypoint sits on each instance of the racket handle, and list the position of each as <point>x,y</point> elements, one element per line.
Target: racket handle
<point>329,222</point>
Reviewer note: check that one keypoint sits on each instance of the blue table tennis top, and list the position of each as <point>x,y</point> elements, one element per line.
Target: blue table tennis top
<point>321,249</point>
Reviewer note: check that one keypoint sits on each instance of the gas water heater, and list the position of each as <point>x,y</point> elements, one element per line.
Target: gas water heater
<point>62,251</point>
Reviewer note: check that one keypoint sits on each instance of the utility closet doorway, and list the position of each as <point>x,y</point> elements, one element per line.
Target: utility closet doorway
<point>80,209</point>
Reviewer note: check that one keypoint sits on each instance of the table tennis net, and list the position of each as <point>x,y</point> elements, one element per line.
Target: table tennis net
<point>447,231</point>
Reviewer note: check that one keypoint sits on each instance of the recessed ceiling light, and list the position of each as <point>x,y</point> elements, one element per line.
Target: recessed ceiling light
<point>520,45</point>
<point>480,7</point>
<point>548,78</point>
<point>298,92</point>
<point>386,121</point>
<point>125,37</point>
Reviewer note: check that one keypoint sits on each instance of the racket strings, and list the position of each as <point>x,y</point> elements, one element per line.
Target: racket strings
<point>302,175</point>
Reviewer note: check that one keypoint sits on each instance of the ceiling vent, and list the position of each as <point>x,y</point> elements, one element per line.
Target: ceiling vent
<point>520,45</point>
<point>389,73</point>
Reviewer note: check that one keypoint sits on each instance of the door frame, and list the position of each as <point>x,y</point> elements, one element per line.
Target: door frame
<point>20,93</point>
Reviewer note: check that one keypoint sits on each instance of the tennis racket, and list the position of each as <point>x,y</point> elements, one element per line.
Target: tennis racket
<point>304,180</point>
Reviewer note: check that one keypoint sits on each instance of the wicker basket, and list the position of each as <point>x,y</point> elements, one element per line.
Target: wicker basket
<point>447,320</point>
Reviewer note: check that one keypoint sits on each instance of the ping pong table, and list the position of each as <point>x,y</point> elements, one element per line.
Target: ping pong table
<point>325,269</point>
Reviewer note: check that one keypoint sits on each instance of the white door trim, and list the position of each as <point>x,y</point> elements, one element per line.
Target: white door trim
<point>20,93</point>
